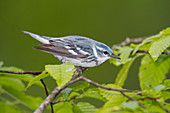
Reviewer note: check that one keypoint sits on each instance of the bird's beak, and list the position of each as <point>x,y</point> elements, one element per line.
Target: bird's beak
<point>114,56</point>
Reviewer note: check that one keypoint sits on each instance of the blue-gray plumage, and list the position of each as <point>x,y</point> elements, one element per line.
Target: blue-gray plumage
<point>79,50</point>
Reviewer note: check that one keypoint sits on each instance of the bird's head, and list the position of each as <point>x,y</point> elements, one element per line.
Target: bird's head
<point>105,52</point>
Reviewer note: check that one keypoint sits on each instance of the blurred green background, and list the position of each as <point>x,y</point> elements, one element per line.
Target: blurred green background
<point>108,21</point>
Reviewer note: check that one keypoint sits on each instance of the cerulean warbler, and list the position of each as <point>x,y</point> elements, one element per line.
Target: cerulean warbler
<point>79,50</point>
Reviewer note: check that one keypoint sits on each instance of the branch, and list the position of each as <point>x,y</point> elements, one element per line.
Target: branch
<point>140,104</point>
<point>68,100</point>
<point>56,91</point>
<point>34,73</point>
<point>103,87</point>
<point>166,110</point>
<point>129,41</point>
<point>24,72</point>
<point>155,99</point>
<point>46,91</point>
<point>150,98</point>
<point>53,95</point>
<point>143,51</point>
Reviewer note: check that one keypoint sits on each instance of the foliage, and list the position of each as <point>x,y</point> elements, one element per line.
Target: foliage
<point>153,73</point>
<point>153,82</point>
<point>14,87</point>
<point>157,44</point>
<point>61,73</point>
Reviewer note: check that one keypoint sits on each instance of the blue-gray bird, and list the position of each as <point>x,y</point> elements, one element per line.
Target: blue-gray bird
<point>79,50</point>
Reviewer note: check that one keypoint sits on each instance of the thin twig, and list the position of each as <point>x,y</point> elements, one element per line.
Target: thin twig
<point>166,110</point>
<point>136,40</point>
<point>24,72</point>
<point>68,100</point>
<point>143,51</point>
<point>140,104</point>
<point>155,99</point>
<point>33,73</point>
<point>53,94</point>
<point>150,98</point>
<point>129,41</point>
<point>56,91</point>
<point>103,87</point>
<point>46,91</point>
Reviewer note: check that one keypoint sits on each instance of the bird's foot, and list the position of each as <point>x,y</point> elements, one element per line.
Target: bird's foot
<point>79,71</point>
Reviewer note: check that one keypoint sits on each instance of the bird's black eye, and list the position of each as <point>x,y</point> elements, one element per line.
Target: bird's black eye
<point>106,53</point>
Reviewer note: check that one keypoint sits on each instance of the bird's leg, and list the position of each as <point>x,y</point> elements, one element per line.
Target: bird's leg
<point>80,70</point>
<point>84,69</point>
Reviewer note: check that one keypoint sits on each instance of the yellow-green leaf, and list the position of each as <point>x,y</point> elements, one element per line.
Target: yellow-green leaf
<point>12,83</point>
<point>153,73</point>
<point>121,77</point>
<point>37,78</point>
<point>86,107</point>
<point>63,107</point>
<point>5,108</point>
<point>125,53</point>
<point>61,73</point>
<point>146,41</point>
<point>158,46</point>
<point>112,95</point>
<point>165,31</point>
<point>24,77</point>
<point>93,93</point>
<point>24,99</point>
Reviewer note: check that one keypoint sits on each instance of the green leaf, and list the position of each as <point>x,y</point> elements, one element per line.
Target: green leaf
<point>66,92</point>
<point>165,95</point>
<point>5,108</point>
<point>82,86</point>
<point>153,73</point>
<point>1,63</point>
<point>146,41</point>
<point>125,53</point>
<point>61,73</point>
<point>114,105</point>
<point>155,108</point>
<point>167,107</point>
<point>143,47</point>
<point>158,46</point>
<point>12,83</point>
<point>165,31</point>
<point>167,84</point>
<point>93,93</point>
<point>121,77</point>
<point>158,88</point>
<point>24,77</point>
<point>76,109</point>
<point>130,105</point>
<point>111,106</point>
<point>37,78</point>
<point>63,107</point>
<point>29,101</point>
<point>73,94</point>
<point>116,62</point>
<point>86,107</point>
<point>112,95</point>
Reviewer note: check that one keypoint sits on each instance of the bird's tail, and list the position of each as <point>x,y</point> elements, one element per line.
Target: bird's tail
<point>43,39</point>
